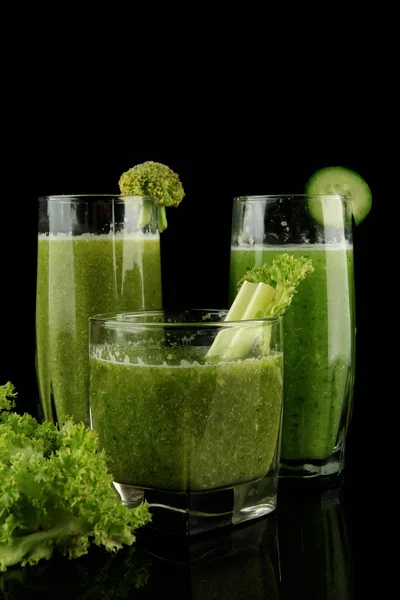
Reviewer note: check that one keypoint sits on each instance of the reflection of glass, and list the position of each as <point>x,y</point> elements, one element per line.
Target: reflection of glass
<point>237,564</point>
<point>315,555</point>
<point>92,257</point>
<point>318,326</point>
<point>195,435</point>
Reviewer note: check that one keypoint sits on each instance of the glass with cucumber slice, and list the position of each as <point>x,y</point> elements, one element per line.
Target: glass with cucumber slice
<point>338,181</point>
<point>318,326</point>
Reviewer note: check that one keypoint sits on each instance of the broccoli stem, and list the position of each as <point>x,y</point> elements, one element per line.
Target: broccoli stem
<point>146,212</point>
<point>162,218</point>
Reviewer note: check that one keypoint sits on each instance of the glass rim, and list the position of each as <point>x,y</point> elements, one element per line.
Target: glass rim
<point>113,320</point>
<point>57,197</point>
<point>266,197</point>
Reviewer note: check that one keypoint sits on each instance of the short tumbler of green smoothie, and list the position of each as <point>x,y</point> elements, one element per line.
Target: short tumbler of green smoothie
<point>93,256</point>
<point>318,327</point>
<point>195,434</point>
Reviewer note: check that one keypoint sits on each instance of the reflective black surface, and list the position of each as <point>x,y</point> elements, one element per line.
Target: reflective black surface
<point>312,547</point>
<point>315,548</point>
<point>225,138</point>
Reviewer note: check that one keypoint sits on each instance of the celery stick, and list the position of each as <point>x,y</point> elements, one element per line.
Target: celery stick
<point>251,300</point>
<point>235,313</point>
<point>241,301</point>
<point>242,341</point>
<point>260,300</point>
<point>244,337</point>
<point>285,273</point>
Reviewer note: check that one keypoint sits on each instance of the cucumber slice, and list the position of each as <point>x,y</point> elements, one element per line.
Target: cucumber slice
<point>338,180</point>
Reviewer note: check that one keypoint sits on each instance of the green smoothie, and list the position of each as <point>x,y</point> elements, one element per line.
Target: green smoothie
<point>184,424</point>
<point>318,346</point>
<point>78,277</point>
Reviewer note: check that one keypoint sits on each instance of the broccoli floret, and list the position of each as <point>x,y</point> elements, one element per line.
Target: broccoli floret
<point>156,180</point>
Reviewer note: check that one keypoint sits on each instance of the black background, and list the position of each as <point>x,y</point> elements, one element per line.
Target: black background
<point>225,138</point>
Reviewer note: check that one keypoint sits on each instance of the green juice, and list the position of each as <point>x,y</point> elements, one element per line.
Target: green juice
<point>318,346</point>
<point>78,277</point>
<point>184,424</point>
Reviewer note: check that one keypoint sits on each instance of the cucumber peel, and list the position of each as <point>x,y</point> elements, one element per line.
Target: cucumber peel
<point>338,181</point>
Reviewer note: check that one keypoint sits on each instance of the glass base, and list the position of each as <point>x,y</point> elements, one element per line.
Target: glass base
<point>192,513</point>
<point>332,465</point>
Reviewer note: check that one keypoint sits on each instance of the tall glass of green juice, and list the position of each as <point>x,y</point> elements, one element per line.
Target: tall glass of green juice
<point>194,433</point>
<point>319,328</point>
<point>92,257</point>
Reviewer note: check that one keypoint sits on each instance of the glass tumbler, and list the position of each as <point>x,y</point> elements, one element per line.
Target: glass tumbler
<point>190,423</point>
<point>319,330</point>
<point>96,253</point>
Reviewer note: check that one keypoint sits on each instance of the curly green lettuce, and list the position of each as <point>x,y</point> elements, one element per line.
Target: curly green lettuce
<point>284,275</point>
<point>7,395</point>
<point>55,491</point>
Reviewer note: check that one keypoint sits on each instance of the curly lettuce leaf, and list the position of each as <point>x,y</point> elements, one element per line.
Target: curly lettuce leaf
<point>7,395</point>
<point>56,492</point>
<point>284,274</point>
